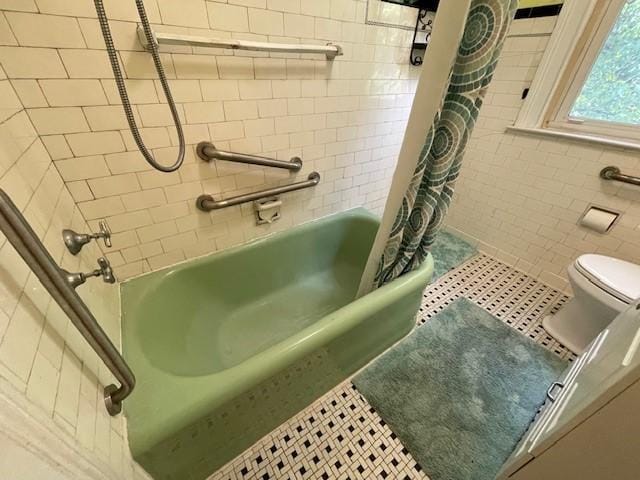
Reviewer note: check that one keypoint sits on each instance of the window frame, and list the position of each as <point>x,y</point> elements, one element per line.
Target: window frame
<point>581,30</point>
<point>559,117</point>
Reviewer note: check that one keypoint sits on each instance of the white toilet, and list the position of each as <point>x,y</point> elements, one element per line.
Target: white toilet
<point>602,287</point>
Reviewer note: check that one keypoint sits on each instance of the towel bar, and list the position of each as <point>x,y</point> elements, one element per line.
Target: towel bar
<point>330,50</point>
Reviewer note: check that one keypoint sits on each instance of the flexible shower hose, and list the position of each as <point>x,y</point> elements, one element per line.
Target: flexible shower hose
<point>122,89</point>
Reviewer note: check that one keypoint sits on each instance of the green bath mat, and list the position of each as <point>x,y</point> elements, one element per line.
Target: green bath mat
<point>460,391</point>
<point>448,252</point>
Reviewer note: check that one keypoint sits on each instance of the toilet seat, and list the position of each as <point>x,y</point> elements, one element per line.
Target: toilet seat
<point>616,277</point>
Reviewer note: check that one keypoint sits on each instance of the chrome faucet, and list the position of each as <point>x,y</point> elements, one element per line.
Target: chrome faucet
<point>105,271</point>
<point>75,241</point>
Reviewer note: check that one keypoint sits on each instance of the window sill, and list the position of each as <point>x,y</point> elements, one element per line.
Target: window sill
<point>579,137</point>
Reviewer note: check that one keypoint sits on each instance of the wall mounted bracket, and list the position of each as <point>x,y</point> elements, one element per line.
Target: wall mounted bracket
<point>421,36</point>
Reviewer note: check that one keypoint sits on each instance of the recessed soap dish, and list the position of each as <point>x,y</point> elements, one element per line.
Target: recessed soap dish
<point>267,210</point>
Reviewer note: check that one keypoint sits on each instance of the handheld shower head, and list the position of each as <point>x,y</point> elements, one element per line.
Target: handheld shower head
<point>122,88</point>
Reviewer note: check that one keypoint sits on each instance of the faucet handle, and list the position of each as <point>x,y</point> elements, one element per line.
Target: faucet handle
<point>105,233</point>
<point>106,271</point>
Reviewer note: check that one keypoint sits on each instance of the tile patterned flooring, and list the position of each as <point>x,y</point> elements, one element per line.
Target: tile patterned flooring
<point>341,437</point>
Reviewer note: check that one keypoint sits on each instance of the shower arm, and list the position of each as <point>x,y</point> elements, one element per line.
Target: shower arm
<point>122,88</point>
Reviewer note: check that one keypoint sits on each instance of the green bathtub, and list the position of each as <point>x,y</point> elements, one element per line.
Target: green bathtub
<point>227,347</point>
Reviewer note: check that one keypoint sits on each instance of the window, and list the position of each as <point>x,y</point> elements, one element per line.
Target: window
<point>611,92</point>
<point>603,97</point>
<point>588,84</point>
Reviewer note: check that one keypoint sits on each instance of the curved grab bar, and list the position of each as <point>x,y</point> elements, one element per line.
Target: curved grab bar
<point>206,203</point>
<point>208,151</point>
<point>613,173</point>
<point>30,248</point>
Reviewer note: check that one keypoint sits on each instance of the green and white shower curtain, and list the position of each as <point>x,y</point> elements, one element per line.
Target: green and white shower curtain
<point>427,199</point>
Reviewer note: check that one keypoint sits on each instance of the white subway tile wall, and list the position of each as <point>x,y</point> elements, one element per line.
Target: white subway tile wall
<point>519,197</point>
<point>68,158</point>
<point>43,359</point>
<point>345,118</point>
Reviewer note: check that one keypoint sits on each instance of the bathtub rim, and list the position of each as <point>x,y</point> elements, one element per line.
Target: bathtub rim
<point>173,412</point>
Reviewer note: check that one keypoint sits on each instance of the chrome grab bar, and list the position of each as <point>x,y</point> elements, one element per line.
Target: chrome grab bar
<point>613,173</point>
<point>207,151</point>
<point>206,203</point>
<point>30,248</point>
<point>160,38</point>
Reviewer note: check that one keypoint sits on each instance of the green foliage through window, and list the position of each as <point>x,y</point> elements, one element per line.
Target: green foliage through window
<point>612,90</point>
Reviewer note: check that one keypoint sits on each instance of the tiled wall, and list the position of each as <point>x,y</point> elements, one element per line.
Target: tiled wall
<point>520,196</point>
<point>345,118</point>
<point>43,359</point>
<point>385,13</point>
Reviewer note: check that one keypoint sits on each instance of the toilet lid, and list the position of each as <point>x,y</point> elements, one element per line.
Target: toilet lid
<point>621,279</point>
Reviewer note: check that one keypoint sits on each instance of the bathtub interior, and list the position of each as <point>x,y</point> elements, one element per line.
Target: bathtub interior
<point>229,346</point>
<point>212,314</point>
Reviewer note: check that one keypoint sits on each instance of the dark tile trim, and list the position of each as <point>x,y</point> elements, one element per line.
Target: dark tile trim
<point>535,12</point>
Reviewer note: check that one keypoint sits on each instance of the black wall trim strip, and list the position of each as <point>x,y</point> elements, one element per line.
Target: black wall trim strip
<point>535,12</point>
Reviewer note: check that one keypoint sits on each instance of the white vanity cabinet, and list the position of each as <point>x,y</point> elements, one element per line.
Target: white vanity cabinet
<point>591,430</point>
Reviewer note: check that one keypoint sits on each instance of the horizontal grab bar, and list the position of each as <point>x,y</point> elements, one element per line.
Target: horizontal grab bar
<point>206,203</point>
<point>613,173</point>
<point>207,151</point>
<point>30,248</point>
<point>330,50</point>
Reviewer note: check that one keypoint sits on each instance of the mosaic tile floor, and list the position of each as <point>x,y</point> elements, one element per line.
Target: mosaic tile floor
<point>341,437</point>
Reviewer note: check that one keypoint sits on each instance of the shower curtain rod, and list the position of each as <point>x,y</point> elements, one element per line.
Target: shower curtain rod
<point>330,50</point>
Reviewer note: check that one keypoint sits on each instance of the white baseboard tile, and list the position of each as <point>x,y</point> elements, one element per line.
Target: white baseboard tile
<point>31,435</point>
